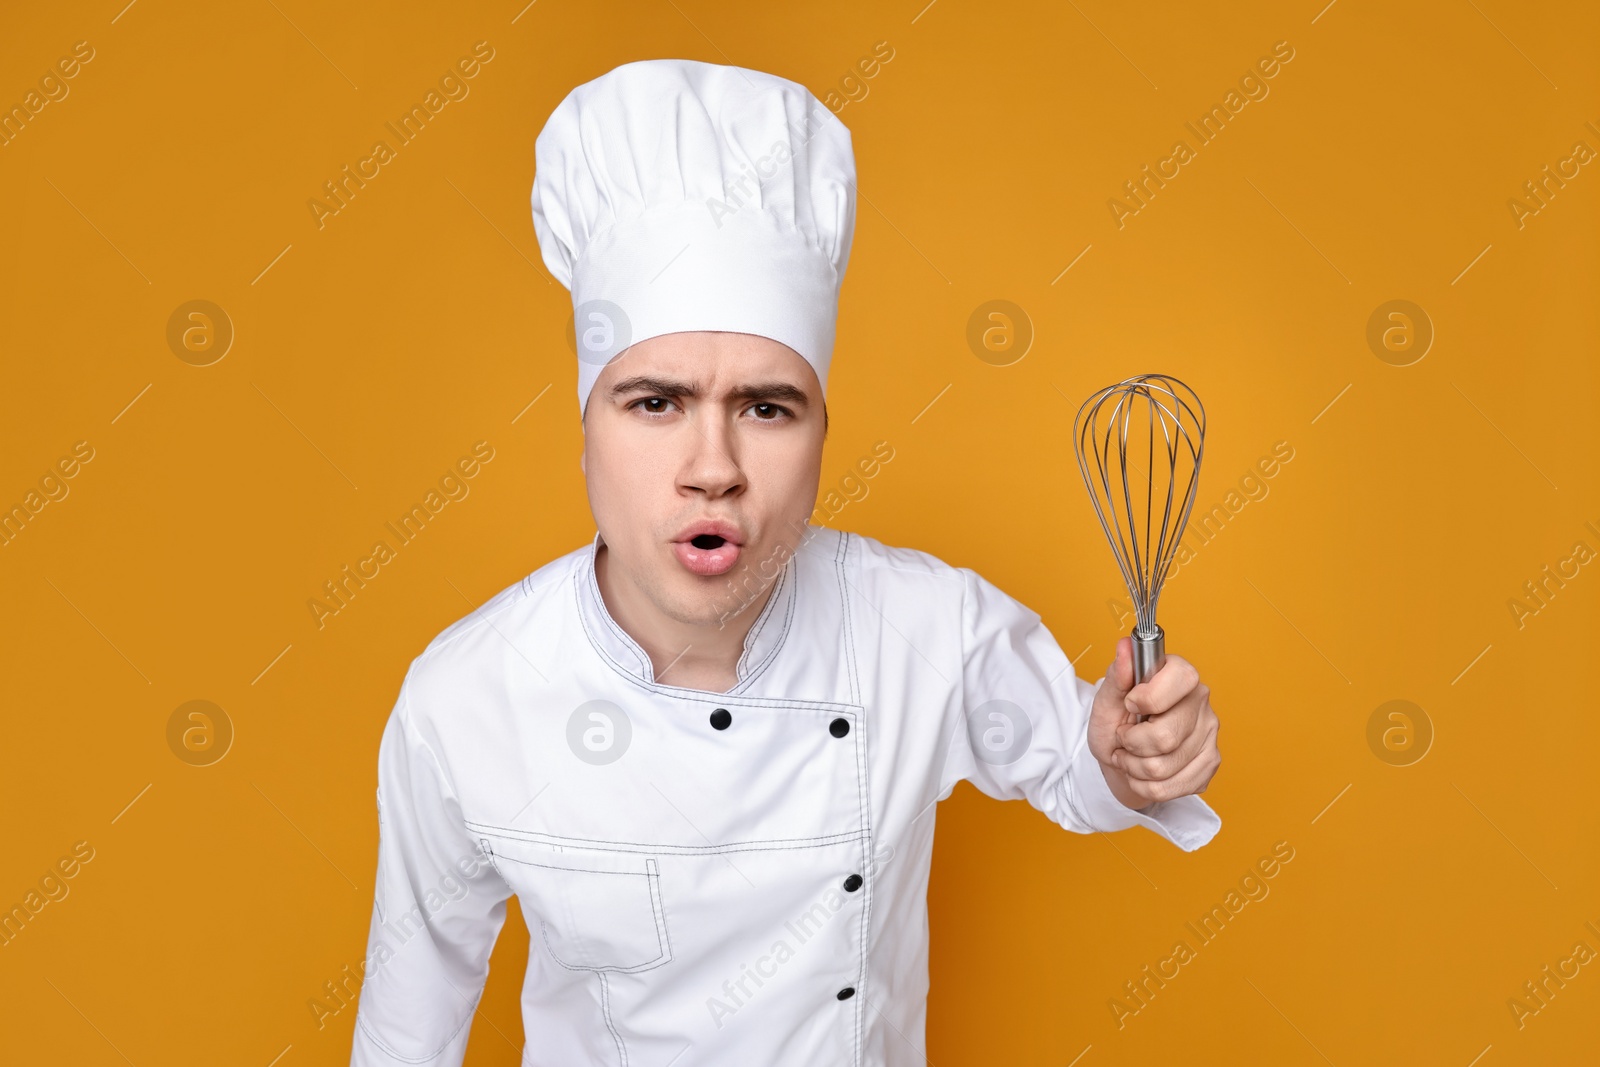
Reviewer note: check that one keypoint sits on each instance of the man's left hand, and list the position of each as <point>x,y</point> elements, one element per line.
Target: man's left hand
<point>1171,754</point>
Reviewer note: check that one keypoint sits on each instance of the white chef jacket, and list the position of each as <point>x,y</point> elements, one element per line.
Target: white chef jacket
<point>732,878</point>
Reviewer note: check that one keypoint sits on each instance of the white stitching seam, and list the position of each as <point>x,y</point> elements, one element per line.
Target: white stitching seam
<point>863,797</point>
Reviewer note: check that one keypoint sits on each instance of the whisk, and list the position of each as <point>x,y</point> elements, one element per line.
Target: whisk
<point>1108,431</point>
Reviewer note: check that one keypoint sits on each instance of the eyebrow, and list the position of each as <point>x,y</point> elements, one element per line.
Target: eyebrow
<point>676,388</point>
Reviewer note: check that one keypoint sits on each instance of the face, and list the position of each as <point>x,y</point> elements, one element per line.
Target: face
<point>702,453</point>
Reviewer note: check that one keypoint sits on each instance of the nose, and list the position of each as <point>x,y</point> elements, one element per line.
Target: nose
<point>711,467</point>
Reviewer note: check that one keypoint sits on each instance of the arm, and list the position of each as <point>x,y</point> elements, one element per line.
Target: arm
<point>1026,729</point>
<point>437,910</point>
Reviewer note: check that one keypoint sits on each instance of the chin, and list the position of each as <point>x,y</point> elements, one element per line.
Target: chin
<point>714,600</point>
<point>702,608</point>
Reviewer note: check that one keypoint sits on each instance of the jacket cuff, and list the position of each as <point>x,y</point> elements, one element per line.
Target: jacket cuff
<point>1187,822</point>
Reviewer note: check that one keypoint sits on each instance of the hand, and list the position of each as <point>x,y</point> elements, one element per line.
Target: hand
<point>1171,754</point>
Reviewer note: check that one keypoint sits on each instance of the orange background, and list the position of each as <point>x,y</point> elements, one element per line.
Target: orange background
<point>373,352</point>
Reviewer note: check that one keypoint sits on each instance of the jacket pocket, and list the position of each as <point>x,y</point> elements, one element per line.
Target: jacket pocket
<point>596,910</point>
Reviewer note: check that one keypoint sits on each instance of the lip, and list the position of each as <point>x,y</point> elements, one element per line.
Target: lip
<point>711,528</point>
<point>709,562</point>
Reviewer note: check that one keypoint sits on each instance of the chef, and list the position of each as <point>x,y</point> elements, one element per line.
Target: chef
<point>704,751</point>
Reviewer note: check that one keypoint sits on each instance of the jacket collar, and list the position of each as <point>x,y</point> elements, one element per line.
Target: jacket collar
<point>624,654</point>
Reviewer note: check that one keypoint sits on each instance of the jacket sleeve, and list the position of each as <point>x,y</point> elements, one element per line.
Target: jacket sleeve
<point>437,910</point>
<point>1024,729</point>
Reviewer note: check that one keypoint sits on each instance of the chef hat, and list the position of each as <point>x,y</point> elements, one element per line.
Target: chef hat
<point>674,195</point>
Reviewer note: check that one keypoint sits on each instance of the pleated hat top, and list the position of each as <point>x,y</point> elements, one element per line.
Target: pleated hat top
<point>674,195</point>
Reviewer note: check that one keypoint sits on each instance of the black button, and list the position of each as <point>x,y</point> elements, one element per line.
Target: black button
<point>847,992</point>
<point>852,883</point>
<point>838,728</point>
<point>720,719</point>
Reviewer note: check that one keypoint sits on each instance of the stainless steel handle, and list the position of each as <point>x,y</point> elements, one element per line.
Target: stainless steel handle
<point>1149,653</point>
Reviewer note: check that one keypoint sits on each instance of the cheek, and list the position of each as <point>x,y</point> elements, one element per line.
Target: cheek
<point>633,472</point>
<point>785,476</point>
<point>621,485</point>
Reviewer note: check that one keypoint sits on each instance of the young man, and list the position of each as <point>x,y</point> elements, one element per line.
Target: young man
<point>705,751</point>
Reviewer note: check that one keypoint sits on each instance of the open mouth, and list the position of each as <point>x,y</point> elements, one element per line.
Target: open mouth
<point>708,549</point>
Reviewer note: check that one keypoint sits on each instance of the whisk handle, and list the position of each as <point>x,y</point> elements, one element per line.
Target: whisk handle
<point>1149,653</point>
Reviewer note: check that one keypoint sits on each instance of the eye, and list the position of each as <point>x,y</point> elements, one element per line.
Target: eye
<point>652,405</point>
<point>768,412</point>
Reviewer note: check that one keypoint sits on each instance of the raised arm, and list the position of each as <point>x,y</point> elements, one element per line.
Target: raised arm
<point>1027,728</point>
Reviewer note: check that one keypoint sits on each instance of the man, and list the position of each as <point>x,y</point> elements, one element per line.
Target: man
<point>704,752</point>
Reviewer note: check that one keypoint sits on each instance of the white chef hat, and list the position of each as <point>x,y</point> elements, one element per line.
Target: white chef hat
<point>674,195</point>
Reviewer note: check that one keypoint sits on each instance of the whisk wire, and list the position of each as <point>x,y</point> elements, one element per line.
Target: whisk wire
<point>1111,525</point>
<point>1166,550</point>
<point>1107,432</point>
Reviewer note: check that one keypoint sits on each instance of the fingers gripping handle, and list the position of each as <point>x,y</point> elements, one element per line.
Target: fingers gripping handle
<point>1149,653</point>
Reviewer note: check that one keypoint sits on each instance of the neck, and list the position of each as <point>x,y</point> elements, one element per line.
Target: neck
<point>702,656</point>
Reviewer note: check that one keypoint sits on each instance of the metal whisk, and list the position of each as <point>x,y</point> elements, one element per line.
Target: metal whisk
<point>1166,418</point>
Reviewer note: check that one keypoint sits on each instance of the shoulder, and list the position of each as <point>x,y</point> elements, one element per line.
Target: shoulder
<point>484,636</point>
<point>887,569</point>
<point>904,572</point>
